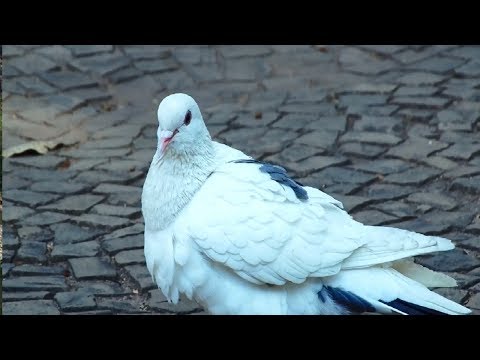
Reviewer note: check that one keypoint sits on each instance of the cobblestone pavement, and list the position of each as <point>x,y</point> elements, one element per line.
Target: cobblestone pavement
<point>392,131</point>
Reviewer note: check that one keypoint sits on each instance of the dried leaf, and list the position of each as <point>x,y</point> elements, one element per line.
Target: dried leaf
<point>43,146</point>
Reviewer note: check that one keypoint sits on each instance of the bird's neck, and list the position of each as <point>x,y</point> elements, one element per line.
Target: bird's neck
<point>172,181</point>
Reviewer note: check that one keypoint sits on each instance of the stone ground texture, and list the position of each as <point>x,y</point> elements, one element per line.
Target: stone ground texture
<point>392,131</point>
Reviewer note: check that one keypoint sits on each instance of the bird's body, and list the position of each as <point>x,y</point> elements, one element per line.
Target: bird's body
<point>241,237</point>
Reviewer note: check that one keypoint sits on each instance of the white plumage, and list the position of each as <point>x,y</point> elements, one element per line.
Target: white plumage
<point>241,237</point>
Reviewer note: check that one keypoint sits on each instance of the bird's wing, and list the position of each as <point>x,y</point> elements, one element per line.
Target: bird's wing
<point>254,219</point>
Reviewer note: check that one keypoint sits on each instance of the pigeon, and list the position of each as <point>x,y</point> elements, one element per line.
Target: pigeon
<point>240,236</point>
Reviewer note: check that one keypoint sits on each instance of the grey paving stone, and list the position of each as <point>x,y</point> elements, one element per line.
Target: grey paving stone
<point>398,209</point>
<point>101,220</point>
<point>124,74</point>
<point>131,130</point>
<point>95,177</point>
<point>45,218</point>
<point>92,268</point>
<point>474,302</point>
<point>454,260</point>
<point>32,270</point>
<point>66,233</point>
<point>75,301</point>
<point>59,187</point>
<point>119,305</point>
<point>437,200</point>
<point>32,252</point>
<point>34,86</point>
<point>126,211</point>
<point>373,217</point>
<point>362,150</point>
<point>43,161</point>
<point>238,51</point>
<point>102,64</point>
<point>6,267</point>
<point>101,288</point>
<point>35,283</point>
<point>30,307</point>
<point>85,164</point>
<point>97,153</point>
<point>156,65</point>
<point>126,231</point>
<point>29,198</point>
<point>11,181</point>
<point>295,152</point>
<point>388,191</point>
<point>414,176</point>
<point>416,91</point>
<point>7,255</point>
<point>158,302</point>
<point>11,50</point>
<point>472,68</point>
<point>147,52</point>
<point>462,171</point>
<point>314,163</point>
<point>90,94</point>
<point>66,80</point>
<point>315,109</point>
<point>384,124</point>
<point>373,88</point>
<point>294,121</point>
<point>75,203</point>
<point>363,100</point>
<point>124,165</point>
<point>416,148</point>
<point>359,61</point>
<point>370,137</point>
<point>64,102</point>
<point>33,63</point>
<point>437,64</point>
<point>337,175</point>
<point>20,296</point>
<point>34,233</point>
<point>425,102</point>
<point>320,139</point>
<point>83,249</point>
<point>468,185</point>
<point>246,69</point>
<point>461,150</point>
<point>327,123</point>
<point>416,114</point>
<point>466,52</point>
<point>420,78</point>
<point>110,143</point>
<point>114,188</point>
<point>113,246</point>
<point>130,257</point>
<point>141,276</point>
<point>57,53</point>
<point>14,213</point>
<point>86,50</point>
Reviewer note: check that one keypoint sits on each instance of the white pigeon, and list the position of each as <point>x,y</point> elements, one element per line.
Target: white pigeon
<point>240,236</point>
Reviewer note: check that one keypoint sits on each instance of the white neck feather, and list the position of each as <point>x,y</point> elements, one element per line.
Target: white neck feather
<point>173,180</point>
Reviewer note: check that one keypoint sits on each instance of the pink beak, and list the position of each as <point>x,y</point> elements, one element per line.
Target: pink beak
<point>165,137</point>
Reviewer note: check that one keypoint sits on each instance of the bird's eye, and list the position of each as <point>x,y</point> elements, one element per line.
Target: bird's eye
<point>188,118</point>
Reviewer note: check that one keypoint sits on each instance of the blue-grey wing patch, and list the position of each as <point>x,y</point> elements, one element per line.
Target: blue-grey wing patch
<point>278,174</point>
<point>347,299</point>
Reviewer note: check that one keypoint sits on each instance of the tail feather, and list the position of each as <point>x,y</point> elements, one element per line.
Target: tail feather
<point>423,275</point>
<point>389,291</point>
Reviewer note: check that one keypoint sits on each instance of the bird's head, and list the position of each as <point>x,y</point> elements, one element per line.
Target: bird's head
<point>180,125</point>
